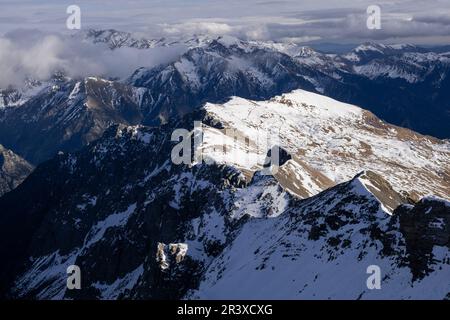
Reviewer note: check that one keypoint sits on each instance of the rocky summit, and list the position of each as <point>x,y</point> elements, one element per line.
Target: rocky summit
<point>237,170</point>
<point>202,230</point>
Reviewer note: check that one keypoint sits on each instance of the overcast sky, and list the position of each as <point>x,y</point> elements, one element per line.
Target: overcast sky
<point>341,21</point>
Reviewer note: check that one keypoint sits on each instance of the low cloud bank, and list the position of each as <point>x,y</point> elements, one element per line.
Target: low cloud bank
<point>28,54</point>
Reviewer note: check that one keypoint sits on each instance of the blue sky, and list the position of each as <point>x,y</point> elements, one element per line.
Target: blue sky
<point>418,21</point>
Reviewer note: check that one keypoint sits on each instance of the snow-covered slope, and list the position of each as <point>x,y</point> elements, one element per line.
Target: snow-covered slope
<point>17,96</point>
<point>141,227</point>
<point>411,66</point>
<point>401,84</point>
<point>321,248</point>
<point>217,70</point>
<point>336,139</point>
<point>66,114</point>
<point>115,39</point>
<point>198,230</point>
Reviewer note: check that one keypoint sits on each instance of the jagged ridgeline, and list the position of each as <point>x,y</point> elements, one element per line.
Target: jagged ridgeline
<point>350,193</point>
<point>64,114</point>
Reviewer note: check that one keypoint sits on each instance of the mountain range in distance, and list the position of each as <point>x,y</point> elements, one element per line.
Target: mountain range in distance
<point>121,196</point>
<point>365,180</point>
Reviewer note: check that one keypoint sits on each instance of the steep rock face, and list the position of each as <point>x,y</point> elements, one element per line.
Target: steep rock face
<point>9,97</point>
<point>426,228</point>
<point>65,115</point>
<point>13,170</point>
<point>320,248</point>
<point>125,197</point>
<point>404,85</point>
<point>14,97</point>
<point>122,199</point>
<point>116,39</point>
<point>214,72</point>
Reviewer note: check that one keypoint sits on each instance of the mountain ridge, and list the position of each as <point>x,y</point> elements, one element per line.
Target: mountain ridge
<point>127,198</point>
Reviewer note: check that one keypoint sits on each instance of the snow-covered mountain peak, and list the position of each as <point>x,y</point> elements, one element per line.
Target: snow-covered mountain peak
<point>306,227</point>
<point>117,39</point>
<point>385,48</point>
<point>403,46</point>
<point>337,140</point>
<point>370,46</point>
<point>328,241</point>
<point>306,52</point>
<point>321,105</point>
<point>229,41</point>
<point>230,44</point>
<point>370,183</point>
<point>16,96</point>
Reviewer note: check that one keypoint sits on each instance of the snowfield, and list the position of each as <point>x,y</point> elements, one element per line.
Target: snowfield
<point>337,139</point>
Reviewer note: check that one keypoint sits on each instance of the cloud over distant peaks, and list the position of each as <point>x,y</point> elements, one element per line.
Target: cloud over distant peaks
<point>198,27</point>
<point>30,53</point>
<point>416,21</point>
<point>326,21</point>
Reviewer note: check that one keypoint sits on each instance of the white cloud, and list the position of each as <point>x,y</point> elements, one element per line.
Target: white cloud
<point>198,27</point>
<point>42,55</point>
<point>340,21</point>
<point>252,19</point>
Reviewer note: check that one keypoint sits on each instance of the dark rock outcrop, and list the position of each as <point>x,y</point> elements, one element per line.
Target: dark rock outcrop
<point>13,170</point>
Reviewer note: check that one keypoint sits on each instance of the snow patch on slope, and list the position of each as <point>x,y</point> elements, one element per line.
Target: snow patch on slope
<point>115,220</point>
<point>337,139</point>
